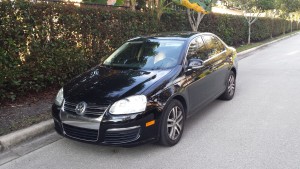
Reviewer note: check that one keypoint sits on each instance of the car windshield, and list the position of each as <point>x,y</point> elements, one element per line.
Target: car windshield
<point>146,55</point>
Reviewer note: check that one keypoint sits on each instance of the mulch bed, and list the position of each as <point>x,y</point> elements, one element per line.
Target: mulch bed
<point>26,111</point>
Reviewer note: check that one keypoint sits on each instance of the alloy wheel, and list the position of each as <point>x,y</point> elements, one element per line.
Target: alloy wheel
<point>231,85</point>
<point>175,123</point>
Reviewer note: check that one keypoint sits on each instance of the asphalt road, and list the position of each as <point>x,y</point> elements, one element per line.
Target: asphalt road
<point>259,128</point>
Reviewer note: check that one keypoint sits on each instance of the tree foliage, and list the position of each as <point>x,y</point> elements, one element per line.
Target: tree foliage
<point>251,6</point>
<point>287,6</point>
<point>119,3</point>
<point>104,2</point>
<point>285,9</point>
<point>161,6</point>
<point>252,9</point>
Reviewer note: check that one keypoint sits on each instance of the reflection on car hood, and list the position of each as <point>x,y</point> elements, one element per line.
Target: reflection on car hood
<point>103,85</point>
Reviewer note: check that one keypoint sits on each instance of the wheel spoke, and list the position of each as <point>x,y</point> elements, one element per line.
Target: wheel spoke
<point>179,120</point>
<point>175,113</point>
<point>177,130</point>
<point>174,134</point>
<point>179,115</point>
<point>171,132</point>
<point>178,126</point>
<point>170,120</point>
<point>231,79</point>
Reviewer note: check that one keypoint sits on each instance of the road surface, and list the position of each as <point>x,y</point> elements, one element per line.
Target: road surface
<point>259,128</point>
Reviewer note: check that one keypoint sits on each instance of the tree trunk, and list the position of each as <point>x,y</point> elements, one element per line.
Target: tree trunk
<point>159,14</point>
<point>132,4</point>
<point>249,33</point>
<point>159,10</point>
<point>193,21</point>
<point>291,26</point>
<point>251,19</point>
<point>151,6</point>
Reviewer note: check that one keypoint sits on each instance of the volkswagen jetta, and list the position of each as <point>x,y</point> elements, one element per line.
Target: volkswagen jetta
<point>145,90</point>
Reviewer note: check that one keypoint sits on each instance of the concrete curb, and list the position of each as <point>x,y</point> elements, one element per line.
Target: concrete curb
<point>17,137</point>
<point>243,54</point>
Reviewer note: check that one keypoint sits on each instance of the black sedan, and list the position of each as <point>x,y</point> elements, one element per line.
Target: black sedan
<point>146,89</point>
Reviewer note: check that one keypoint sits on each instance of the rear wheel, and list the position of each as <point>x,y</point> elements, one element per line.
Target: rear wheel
<point>230,88</point>
<point>172,123</point>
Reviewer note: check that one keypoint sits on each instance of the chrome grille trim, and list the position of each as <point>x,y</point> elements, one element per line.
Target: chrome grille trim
<point>82,127</point>
<point>91,110</point>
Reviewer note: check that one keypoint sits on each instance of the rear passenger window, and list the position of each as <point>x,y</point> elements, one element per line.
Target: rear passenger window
<point>213,44</point>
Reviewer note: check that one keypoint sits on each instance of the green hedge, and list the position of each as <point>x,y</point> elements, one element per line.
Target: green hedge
<point>46,44</point>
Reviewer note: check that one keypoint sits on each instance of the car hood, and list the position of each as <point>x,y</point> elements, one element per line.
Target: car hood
<point>104,85</point>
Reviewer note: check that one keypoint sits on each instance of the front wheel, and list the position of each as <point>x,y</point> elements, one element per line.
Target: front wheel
<point>172,123</point>
<point>230,88</point>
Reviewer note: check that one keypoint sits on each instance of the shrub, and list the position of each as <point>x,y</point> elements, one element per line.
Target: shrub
<point>46,44</point>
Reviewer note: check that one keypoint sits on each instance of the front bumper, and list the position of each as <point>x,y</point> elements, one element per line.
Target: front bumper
<point>127,130</point>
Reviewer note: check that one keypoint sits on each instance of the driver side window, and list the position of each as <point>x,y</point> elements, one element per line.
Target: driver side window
<point>197,50</point>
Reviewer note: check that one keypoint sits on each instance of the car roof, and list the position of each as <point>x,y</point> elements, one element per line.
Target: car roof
<point>169,35</point>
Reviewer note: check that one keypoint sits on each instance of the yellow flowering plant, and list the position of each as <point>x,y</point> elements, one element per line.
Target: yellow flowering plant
<point>196,5</point>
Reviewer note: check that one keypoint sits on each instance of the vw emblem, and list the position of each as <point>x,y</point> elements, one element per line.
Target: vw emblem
<point>80,108</point>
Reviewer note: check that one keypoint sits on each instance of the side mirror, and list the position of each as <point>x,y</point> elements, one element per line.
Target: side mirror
<point>195,64</point>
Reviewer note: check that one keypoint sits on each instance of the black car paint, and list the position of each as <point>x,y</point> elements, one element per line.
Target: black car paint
<point>110,84</point>
<point>194,88</point>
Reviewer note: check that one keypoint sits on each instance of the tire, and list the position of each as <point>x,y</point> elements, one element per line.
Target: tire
<point>230,87</point>
<point>172,124</point>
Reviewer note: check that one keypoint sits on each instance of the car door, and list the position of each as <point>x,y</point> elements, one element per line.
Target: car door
<point>199,80</point>
<point>219,64</point>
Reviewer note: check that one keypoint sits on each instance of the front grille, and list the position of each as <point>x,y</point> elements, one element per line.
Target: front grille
<point>81,133</point>
<point>93,111</point>
<point>121,136</point>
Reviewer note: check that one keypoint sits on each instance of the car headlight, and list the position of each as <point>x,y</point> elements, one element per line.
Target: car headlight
<point>59,97</point>
<point>129,105</point>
